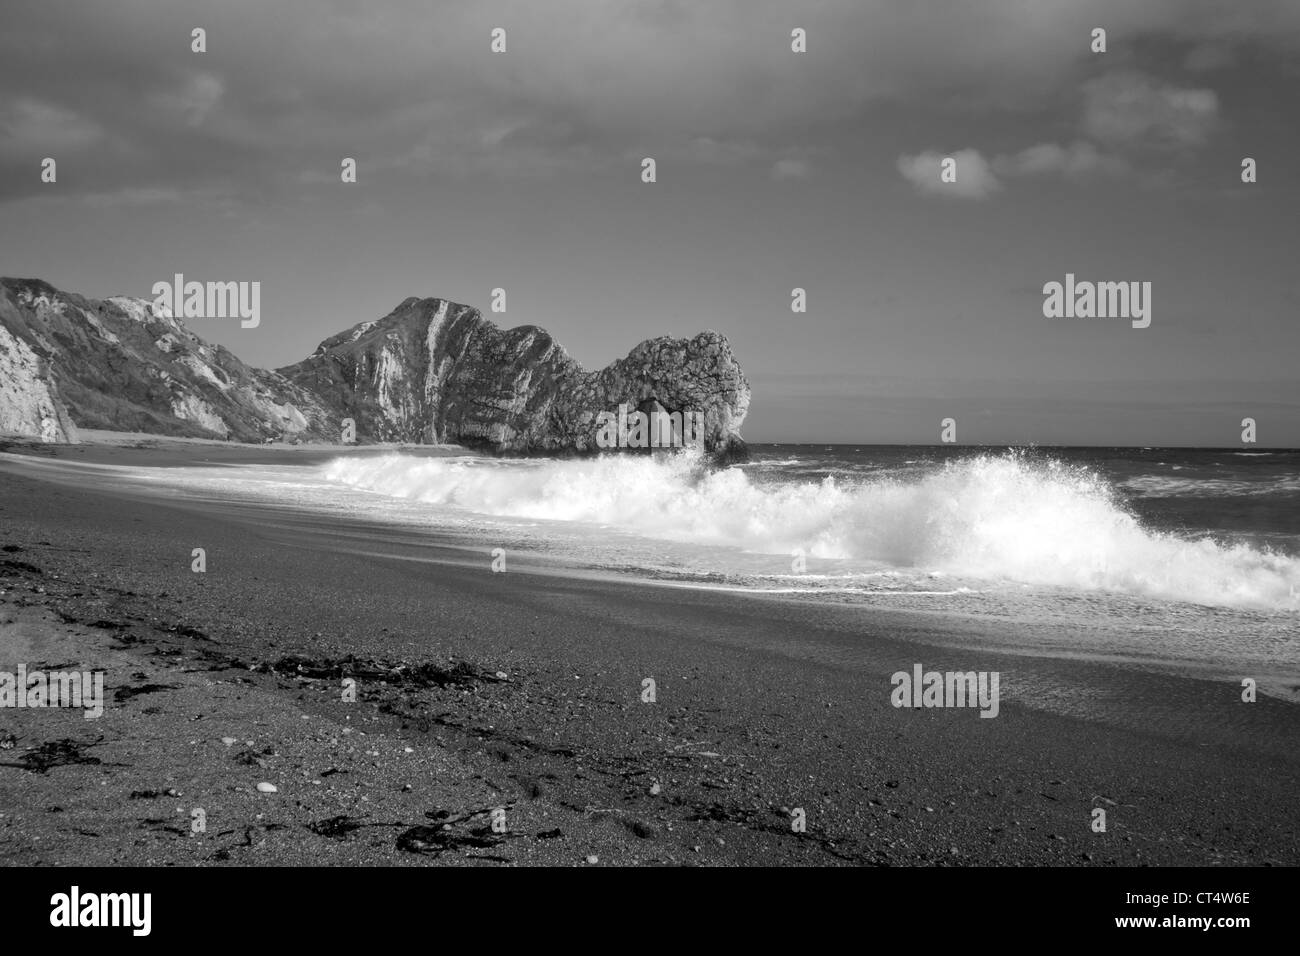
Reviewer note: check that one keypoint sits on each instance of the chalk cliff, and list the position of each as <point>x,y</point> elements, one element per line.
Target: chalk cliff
<point>29,399</point>
<point>118,364</point>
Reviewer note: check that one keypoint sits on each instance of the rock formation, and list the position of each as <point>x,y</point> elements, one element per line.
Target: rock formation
<point>119,365</point>
<point>434,371</point>
<point>431,371</point>
<point>29,399</point>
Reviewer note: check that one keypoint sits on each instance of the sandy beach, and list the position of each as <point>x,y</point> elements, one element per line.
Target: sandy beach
<point>522,692</point>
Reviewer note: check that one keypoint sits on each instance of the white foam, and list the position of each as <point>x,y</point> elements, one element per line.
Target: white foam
<point>992,517</point>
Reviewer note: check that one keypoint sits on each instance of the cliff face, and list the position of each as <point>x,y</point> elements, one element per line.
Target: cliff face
<point>434,371</point>
<point>430,371</point>
<point>29,399</point>
<point>119,365</point>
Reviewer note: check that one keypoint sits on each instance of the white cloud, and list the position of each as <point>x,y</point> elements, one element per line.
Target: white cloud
<point>1132,109</point>
<point>1076,160</point>
<point>974,177</point>
<point>978,178</point>
<point>194,100</point>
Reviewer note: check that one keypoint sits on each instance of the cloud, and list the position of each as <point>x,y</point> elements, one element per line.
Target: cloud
<point>783,163</point>
<point>706,149</point>
<point>974,177</point>
<point>1131,109</point>
<point>580,85</point>
<point>978,178</point>
<point>511,148</point>
<point>1077,160</point>
<point>43,128</point>
<point>195,98</point>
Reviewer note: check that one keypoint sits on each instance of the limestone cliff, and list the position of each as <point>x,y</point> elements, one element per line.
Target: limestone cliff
<point>29,398</point>
<point>435,371</point>
<point>120,365</point>
<point>430,371</point>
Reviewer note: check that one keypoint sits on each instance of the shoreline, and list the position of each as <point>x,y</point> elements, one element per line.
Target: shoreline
<point>792,702</point>
<point>162,451</point>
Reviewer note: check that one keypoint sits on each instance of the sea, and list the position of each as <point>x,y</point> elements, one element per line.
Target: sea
<point>1179,556</point>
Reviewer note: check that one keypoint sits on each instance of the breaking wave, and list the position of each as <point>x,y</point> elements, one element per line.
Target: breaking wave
<point>999,517</point>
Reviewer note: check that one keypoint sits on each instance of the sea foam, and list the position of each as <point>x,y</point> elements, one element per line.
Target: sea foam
<point>999,517</point>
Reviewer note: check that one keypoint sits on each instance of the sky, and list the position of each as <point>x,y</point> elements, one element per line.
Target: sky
<point>775,170</point>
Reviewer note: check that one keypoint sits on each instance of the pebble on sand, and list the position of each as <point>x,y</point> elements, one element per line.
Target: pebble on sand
<point>265,787</point>
<point>593,859</point>
<point>228,740</point>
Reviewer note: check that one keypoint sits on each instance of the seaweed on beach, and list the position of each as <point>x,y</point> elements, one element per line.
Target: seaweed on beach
<point>431,675</point>
<point>163,825</point>
<point>425,723</point>
<point>445,835</point>
<point>401,673</point>
<point>339,827</point>
<point>436,840</point>
<point>253,758</point>
<point>298,665</point>
<point>126,693</point>
<point>184,630</point>
<point>336,828</point>
<point>56,753</point>
<point>221,662</point>
<point>150,794</point>
<point>102,624</point>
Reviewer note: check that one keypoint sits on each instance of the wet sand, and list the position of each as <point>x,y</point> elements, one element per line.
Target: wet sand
<point>522,691</point>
